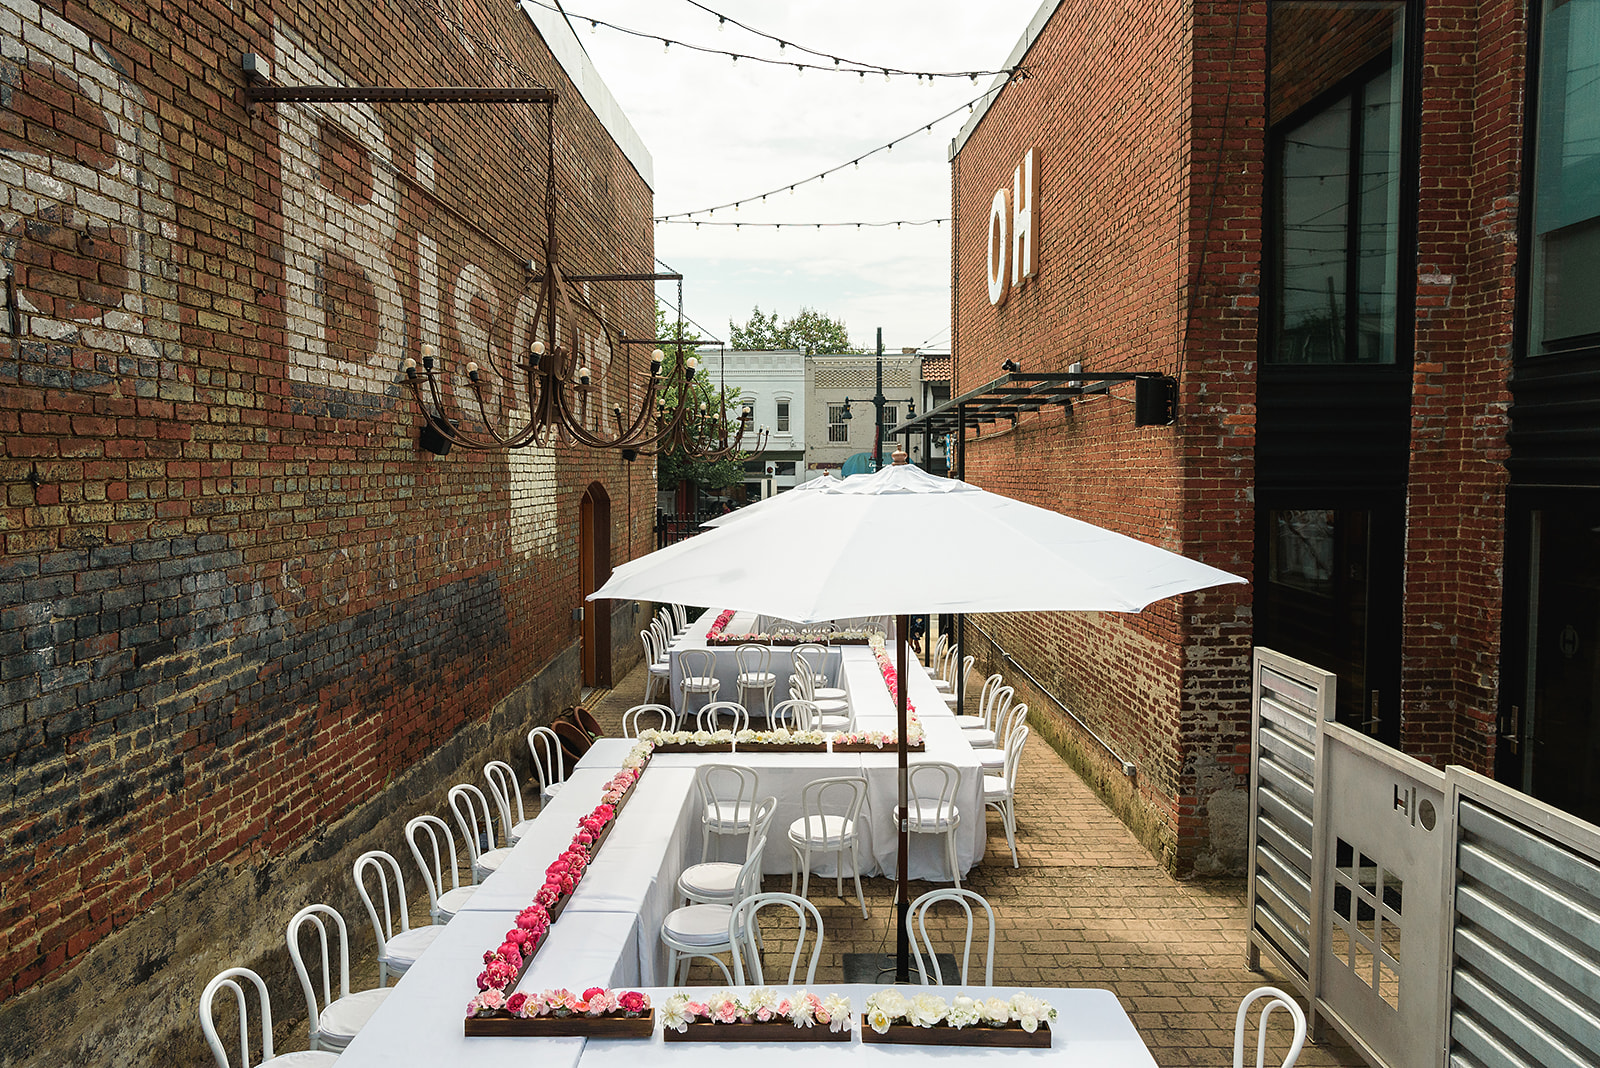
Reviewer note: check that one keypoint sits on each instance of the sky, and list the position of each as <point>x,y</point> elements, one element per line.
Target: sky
<point>720,131</point>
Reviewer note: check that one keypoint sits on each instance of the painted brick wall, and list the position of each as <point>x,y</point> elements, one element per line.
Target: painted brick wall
<point>237,603</point>
<point>1149,128</point>
<point>1124,105</point>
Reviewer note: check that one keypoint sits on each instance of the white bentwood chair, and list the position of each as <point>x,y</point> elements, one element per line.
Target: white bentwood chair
<point>702,930</point>
<point>699,679</point>
<point>728,795</point>
<point>549,762</point>
<point>1276,999</point>
<point>931,806</point>
<point>333,1021</point>
<point>794,714</point>
<point>755,674</point>
<point>810,658</point>
<point>990,684</point>
<point>424,833</point>
<point>399,949</point>
<point>1000,792</point>
<point>229,980</point>
<point>712,882</point>
<point>744,936</point>
<point>659,671</point>
<point>711,715</point>
<point>507,795</point>
<point>821,831</point>
<point>667,719</point>
<point>917,924</point>
<point>993,760</point>
<point>471,810</point>
<point>986,736</point>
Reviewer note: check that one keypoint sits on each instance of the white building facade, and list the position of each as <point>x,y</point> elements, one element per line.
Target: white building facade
<point>773,384</point>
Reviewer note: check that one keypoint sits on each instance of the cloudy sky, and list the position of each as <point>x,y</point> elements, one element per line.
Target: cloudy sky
<point>720,131</point>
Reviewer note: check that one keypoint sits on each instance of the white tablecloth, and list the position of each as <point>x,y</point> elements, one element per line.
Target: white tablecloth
<point>727,667</point>
<point>521,874</point>
<point>421,1022</point>
<point>1091,1031</point>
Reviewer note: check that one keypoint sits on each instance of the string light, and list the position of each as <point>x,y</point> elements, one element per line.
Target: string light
<point>896,223</point>
<point>854,162</point>
<point>839,63</point>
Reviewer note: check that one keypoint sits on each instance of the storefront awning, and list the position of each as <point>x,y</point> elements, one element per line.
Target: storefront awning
<point>1015,392</point>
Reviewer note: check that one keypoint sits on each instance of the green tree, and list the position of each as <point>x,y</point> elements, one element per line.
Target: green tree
<point>810,331</point>
<point>679,465</point>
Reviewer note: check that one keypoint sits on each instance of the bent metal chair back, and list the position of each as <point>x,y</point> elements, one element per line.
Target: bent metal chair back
<point>917,923</point>
<point>659,670</point>
<point>656,717</point>
<point>711,717</point>
<point>744,936</point>
<point>229,980</point>
<point>398,949</point>
<point>507,795</point>
<point>795,714</point>
<point>755,676</point>
<point>1000,792</point>
<point>727,801</point>
<point>1276,999</point>
<point>333,1021</point>
<point>713,882</point>
<point>699,678</point>
<point>431,842</point>
<point>548,761</point>
<point>471,810</point>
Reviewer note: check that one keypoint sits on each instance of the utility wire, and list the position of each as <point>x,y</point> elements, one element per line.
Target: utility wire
<point>838,66</point>
<point>897,223</point>
<point>819,176</point>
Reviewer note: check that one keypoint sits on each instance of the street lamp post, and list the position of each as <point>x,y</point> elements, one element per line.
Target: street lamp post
<point>878,402</point>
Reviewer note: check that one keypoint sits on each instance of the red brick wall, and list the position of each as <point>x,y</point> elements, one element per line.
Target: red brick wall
<point>1471,153</point>
<point>1148,233</point>
<point>237,599</point>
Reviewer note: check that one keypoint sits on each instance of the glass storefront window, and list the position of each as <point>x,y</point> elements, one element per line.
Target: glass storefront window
<point>1336,106</point>
<point>1563,312</point>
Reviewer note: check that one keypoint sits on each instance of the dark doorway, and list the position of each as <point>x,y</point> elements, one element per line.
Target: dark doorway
<point>1550,732</point>
<point>1329,594</point>
<point>594,568</point>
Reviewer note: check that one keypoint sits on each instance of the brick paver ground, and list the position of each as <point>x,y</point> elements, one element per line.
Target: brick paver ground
<point>1088,907</point>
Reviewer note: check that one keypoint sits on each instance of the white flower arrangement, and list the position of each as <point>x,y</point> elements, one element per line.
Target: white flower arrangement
<point>889,1007</point>
<point>762,1005</point>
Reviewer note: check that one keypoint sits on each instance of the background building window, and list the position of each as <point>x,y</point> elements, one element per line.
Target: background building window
<point>783,417</point>
<point>1563,311</point>
<point>838,427</point>
<point>1336,237</point>
<point>747,403</point>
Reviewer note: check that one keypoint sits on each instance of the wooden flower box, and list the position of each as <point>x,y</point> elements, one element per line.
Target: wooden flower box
<point>1011,1036</point>
<point>615,1025</point>
<point>754,1031</point>
<point>690,747</point>
<point>868,747</point>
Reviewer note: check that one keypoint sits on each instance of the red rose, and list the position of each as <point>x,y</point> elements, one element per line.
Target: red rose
<point>632,1002</point>
<point>592,991</point>
<point>515,1002</point>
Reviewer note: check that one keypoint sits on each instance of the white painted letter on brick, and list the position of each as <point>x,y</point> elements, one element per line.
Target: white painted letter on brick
<point>997,248</point>
<point>1024,195</point>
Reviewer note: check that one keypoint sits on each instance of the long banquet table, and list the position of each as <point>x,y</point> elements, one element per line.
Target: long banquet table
<point>1091,1031</point>
<point>725,663</point>
<point>609,931</point>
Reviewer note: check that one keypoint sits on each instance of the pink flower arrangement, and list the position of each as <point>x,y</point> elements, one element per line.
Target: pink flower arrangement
<point>596,1001</point>
<point>762,1005</point>
<point>722,621</point>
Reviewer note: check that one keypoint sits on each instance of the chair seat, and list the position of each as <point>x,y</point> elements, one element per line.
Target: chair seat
<point>969,722</point>
<point>698,925</point>
<point>715,879</point>
<point>950,697</point>
<point>994,788</point>
<point>829,693</point>
<point>826,833</point>
<point>833,723</point>
<point>991,758</point>
<point>980,738</point>
<point>402,951</point>
<point>488,863</point>
<point>940,684</point>
<point>304,1058</point>
<point>452,901</point>
<point>728,815</point>
<point>338,1023</point>
<point>661,667</point>
<point>700,683</point>
<point>758,678</point>
<point>832,708</point>
<point>929,815</point>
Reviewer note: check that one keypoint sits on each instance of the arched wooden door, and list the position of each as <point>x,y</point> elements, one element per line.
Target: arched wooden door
<point>594,568</point>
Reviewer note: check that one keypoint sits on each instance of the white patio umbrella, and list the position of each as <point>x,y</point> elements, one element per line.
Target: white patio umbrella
<point>797,495</point>
<point>955,548</point>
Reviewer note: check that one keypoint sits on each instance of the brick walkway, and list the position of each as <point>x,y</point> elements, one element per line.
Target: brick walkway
<point>1087,907</point>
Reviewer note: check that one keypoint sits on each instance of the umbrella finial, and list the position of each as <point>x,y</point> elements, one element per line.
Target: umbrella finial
<point>900,456</point>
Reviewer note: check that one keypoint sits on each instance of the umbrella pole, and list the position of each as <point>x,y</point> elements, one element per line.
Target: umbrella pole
<point>902,939</point>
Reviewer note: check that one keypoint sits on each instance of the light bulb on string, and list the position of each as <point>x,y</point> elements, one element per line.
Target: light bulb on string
<point>666,46</point>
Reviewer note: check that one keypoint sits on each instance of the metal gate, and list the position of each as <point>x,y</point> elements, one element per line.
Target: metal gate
<point>1436,918</point>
